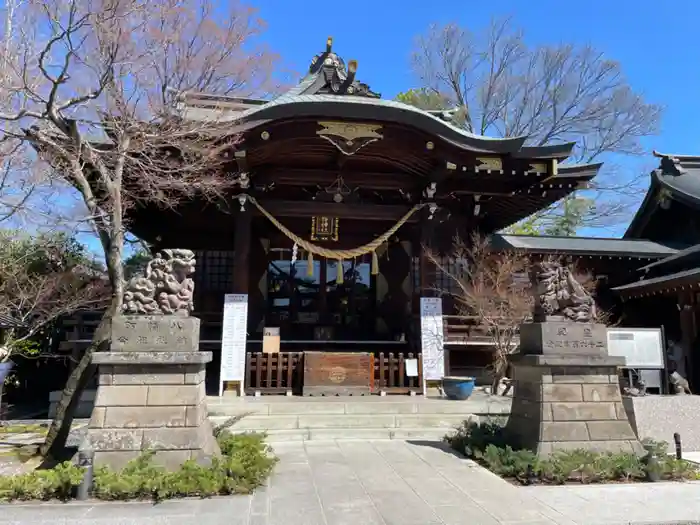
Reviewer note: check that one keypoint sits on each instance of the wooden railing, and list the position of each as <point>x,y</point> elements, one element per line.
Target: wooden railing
<point>283,373</point>
<point>78,331</point>
<point>279,373</point>
<point>464,329</point>
<point>390,374</point>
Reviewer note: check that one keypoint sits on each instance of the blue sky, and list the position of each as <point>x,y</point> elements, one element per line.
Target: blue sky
<point>656,42</point>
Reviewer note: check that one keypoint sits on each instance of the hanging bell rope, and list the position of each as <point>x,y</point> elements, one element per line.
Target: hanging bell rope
<point>339,255</point>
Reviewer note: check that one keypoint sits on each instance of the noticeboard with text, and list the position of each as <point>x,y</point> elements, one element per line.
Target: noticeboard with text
<point>641,347</point>
<point>432,338</point>
<point>233,339</point>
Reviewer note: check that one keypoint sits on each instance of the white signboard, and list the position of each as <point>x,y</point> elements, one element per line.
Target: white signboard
<point>411,367</point>
<point>233,340</point>
<point>641,347</point>
<point>432,338</point>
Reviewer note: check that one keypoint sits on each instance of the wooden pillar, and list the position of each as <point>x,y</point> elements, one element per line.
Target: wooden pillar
<point>426,267</point>
<point>688,338</point>
<point>324,317</point>
<point>241,270</point>
<point>241,257</point>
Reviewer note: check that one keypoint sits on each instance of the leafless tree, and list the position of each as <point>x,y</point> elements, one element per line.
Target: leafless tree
<point>89,92</point>
<point>551,93</point>
<point>39,284</point>
<point>16,188</point>
<point>493,291</point>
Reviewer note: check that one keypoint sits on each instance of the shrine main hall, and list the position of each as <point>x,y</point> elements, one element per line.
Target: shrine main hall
<point>340,194</point>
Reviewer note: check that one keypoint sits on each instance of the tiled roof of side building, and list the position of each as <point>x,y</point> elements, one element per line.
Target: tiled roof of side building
<point>581,245</point>
<point>7,321</point>
<point>685,277</point>
<point>689,256</point>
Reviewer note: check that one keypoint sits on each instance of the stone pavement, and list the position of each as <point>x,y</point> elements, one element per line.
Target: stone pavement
<point>388,483</point>
<point>15,435</point>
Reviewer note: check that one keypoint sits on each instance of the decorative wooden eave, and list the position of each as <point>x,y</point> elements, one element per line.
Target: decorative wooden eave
<point>676,179</point>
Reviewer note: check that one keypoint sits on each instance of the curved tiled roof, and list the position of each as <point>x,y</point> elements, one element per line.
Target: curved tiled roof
<point>330,90</point>
<point>677,174</point>
<point>345,106</point>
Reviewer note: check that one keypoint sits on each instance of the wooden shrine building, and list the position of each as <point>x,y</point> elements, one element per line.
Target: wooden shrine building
<point>365,180</point>
<point>338,192</point>
<point>667,292</point>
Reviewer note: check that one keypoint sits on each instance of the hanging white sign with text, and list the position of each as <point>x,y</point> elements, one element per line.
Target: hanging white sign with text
<point>233,340</point>
<point>432,338</point>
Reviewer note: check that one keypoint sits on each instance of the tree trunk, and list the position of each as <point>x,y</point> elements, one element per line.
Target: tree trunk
<point>57,435</point>
<point>495,383</point>
<point>500,366</point>
<point>113,243</point>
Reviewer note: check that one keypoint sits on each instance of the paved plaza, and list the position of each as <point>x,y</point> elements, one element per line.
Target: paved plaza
<point>388,483</point>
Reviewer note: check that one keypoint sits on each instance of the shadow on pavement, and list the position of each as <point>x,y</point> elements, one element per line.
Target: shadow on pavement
<point>439,445</point>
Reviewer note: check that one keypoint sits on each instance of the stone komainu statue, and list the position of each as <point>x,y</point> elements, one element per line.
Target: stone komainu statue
<point>558,295</point>
<point>165,288</point>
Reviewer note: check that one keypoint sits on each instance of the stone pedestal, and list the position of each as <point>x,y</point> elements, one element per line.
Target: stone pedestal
<point>567,392</point>
<point>151,394</point>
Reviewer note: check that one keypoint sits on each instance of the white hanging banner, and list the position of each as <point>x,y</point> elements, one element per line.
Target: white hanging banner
<point>432,338</point>
<point>233,340</point>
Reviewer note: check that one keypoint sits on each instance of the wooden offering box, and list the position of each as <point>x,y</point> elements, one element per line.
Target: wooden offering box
<point>338,373</point>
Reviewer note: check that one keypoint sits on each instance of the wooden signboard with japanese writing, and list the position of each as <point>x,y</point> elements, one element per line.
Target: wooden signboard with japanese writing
<point>324,228</point>
<point>338,373</point>
<point>271,340</point>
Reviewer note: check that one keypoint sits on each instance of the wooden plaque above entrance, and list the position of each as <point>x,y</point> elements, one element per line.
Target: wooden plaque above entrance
<point>324,228</point>
<point>338,373</point>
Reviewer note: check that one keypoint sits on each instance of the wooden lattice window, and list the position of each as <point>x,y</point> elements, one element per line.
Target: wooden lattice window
<point>439,279</point>
<point>214,272</point>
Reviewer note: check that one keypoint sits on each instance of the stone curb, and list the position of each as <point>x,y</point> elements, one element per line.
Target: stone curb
<point>682,522</point>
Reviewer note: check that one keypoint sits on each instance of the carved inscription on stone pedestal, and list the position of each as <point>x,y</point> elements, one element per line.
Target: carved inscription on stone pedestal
<point>563,338</point>
<point>138,333</point>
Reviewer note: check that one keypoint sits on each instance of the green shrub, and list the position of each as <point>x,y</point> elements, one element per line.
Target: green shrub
<point>509,463</point>
<point>471,438</point>
<point>246,462</point>
<point>56,483</point>
<point>490,445</point>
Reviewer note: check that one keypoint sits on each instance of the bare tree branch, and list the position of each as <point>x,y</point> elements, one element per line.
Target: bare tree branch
<point>493,290</point>
<point>549,93</point>
<point>40,283</point>
<point>87,90</point>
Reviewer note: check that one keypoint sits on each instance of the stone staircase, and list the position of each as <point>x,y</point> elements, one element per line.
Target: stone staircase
<point>353,418</point>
